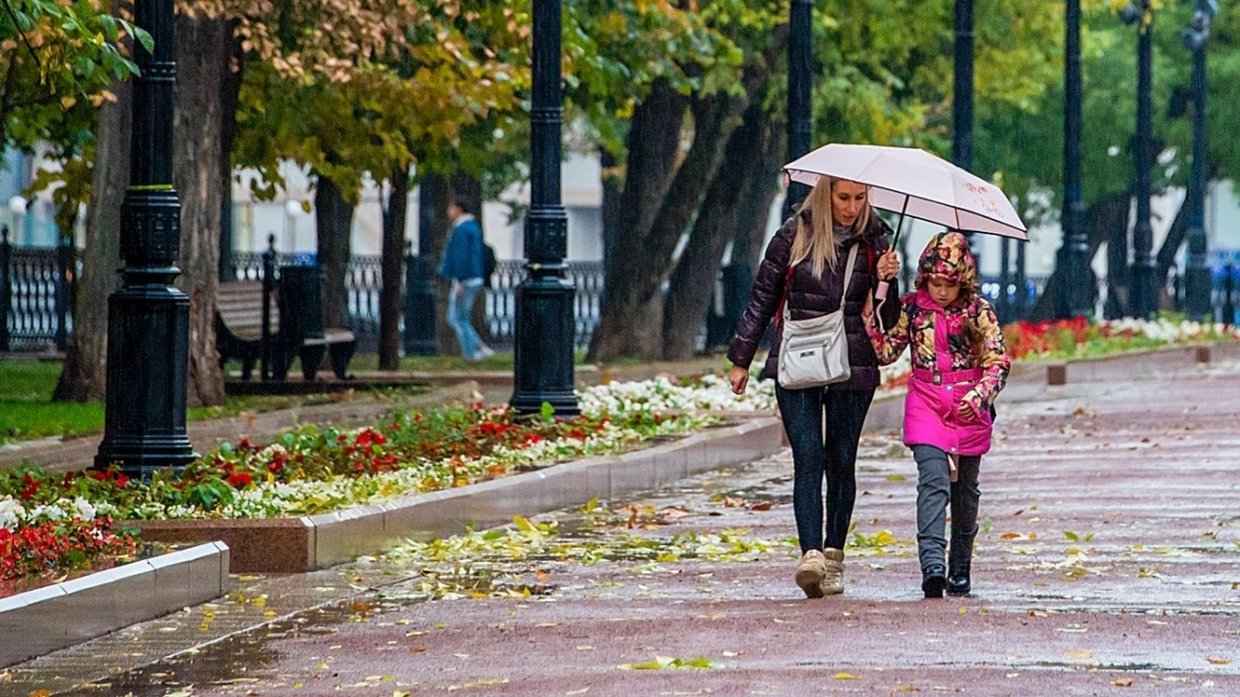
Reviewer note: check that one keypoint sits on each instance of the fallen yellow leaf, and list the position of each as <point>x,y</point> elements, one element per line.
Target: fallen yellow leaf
<point>846,676</point>
<point>1218,661</point>
<point>1122,682</point>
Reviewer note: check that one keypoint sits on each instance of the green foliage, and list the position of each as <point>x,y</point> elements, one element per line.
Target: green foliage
<point>57,60</point>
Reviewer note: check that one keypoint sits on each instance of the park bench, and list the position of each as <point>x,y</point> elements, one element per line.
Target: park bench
<point>239,335</point>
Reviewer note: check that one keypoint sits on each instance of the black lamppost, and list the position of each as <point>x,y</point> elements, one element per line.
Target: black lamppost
<point>420,331</point>
<point>543,371</point>
<point>800,117</point>
<point>962,96</point>
<point>148,318</point>
<point>962,87</point>
<point>1077,299</point>
<point>1197,273</point>
<point>1140,12</point>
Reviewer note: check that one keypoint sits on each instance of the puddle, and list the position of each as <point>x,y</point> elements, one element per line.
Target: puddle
<point>217,664</point>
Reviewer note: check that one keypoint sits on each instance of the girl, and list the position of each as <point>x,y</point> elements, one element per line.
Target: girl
<point>804,266</point>
<point>960,364</point>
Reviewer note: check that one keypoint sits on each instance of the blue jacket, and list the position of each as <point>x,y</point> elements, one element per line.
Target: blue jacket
<point>462,260</point>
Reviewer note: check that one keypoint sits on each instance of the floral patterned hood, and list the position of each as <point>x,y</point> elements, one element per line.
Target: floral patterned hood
<point>947,256</point>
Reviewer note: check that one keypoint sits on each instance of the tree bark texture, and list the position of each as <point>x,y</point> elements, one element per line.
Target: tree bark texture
<point>204,50</point>
<point>393,269</point>
<point>333,225</point>
<point>631,322</point>
<point>83,377</point>
<point>741,186</point>
<point>230,92</point>
<point>1107,213</point>
<point>612,181</point>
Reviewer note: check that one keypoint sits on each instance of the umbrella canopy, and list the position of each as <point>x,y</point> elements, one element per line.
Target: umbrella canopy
<point>913,182</point>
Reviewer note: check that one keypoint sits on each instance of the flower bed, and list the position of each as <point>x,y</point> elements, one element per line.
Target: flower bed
<point>52,524</point>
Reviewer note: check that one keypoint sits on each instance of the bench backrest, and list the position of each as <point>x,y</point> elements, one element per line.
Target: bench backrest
<point>240,304</point>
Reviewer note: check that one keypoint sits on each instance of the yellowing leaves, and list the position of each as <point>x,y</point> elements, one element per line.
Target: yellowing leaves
<point>668,663</point>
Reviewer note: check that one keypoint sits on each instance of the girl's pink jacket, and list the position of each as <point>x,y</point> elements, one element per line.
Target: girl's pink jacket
<point>946,370</point>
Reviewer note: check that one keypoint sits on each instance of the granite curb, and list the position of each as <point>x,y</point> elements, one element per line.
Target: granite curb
<point>70,612</point>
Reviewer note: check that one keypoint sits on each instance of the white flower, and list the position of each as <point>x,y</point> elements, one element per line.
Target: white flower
<point>83,509</point>
<point>11,513</point>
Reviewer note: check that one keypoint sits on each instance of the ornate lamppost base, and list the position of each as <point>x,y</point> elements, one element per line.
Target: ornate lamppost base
<point>148,346</point>
<point>544,346</point>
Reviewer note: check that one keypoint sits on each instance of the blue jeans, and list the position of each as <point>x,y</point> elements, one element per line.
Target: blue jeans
<point>817,455</point>
<point>460,318</point>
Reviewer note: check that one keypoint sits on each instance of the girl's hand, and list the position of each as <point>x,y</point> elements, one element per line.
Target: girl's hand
<point>739,377</point>
<point>888,266</point>
<point>965,411</point>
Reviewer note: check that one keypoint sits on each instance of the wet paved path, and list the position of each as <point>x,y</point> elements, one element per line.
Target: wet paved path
<point>1109,563</point>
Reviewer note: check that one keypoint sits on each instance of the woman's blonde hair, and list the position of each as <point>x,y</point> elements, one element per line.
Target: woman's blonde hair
<point>815,240</point>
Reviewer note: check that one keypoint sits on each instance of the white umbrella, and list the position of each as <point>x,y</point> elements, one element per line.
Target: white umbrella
<point>913,182</point>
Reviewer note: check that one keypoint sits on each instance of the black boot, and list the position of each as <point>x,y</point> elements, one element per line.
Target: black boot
<point>959,561</point>
<point>933,581</point>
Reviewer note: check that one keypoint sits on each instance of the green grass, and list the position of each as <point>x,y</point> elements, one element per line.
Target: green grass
<point>26,409</point>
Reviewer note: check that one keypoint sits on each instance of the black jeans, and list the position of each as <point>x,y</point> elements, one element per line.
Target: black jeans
<point>816,455</point>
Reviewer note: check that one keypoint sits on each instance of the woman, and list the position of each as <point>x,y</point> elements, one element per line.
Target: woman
<point>804,265</point>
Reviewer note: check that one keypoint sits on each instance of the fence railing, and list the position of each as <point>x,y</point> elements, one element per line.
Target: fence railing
<point>36,291</point>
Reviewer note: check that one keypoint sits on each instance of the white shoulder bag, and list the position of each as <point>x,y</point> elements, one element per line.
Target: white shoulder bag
<point>814,352</point>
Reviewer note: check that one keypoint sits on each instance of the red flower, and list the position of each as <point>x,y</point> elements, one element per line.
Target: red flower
<point>240,480</point>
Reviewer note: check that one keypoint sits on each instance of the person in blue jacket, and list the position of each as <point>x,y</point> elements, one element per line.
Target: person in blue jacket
<point>462,265</point>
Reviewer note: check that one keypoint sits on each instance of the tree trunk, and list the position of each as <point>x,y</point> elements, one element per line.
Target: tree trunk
<point>436,241</point>
<point>393,265</point>
<point>230,92</point>
<point>631,321</point>
<point>333,225</point>
<point>203,55</point>
<point>738,187</point>
<point>613,187</point>
<point>84,375</point>
<point>1107,213</point>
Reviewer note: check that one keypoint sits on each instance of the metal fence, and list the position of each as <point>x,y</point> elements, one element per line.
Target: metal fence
<point>501,300</point>
<point>36,291</point>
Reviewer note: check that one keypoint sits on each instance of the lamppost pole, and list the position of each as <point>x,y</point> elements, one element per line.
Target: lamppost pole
<point>962,87</point>
<point>962,97</point>
<point>148,318</point>
<point>1197,273</point>
<point>1143,302</point>
<point>543,369</point>
<point>1077,300</point>
<point>800,89</point>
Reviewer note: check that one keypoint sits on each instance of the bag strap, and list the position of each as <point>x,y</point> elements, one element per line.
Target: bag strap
<point>783,299</point>
<point>784,313</point>
<point>852,257</point>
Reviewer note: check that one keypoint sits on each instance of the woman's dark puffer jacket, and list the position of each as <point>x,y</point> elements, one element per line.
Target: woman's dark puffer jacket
<point>813,297</point>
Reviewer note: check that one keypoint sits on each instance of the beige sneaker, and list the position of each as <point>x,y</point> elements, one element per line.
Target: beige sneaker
<point>811,572</point>
<point>833,578</point>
